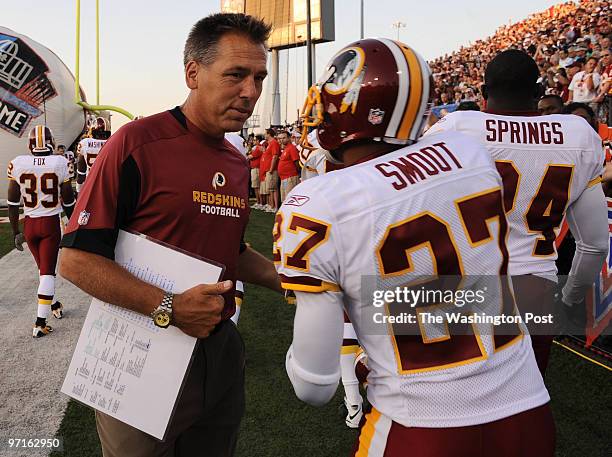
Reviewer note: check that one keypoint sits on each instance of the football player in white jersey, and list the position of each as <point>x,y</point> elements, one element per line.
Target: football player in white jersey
<point>42,180</point>
<point>318,163</point>
<point>71,163</point>
<point>400,210</point>
<point>551,167</point>
<point>90,148</point>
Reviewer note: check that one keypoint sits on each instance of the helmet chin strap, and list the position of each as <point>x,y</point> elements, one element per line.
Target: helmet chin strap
<point>45,152</point>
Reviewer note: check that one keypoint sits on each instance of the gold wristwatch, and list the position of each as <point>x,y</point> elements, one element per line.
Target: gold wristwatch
<point>162,315</point>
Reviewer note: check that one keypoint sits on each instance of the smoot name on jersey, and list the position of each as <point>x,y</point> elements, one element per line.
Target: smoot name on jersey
<point>419,165</point>
<point>523,132</point>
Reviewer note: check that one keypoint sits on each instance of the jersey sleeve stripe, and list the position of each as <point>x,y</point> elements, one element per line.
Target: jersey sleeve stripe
<point>593,182</point>
<point>307,284</point>
<point>13,203</point>
<point>349,349</point>
<point>367,433</point>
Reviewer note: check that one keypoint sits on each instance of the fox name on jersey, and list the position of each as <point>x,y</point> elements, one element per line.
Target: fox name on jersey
<point>39,179</point>
<point>546,163</point>
<point>433,208</point>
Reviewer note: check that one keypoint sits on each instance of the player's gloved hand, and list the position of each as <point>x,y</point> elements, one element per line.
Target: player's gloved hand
<point>290,297</point>
<point>573,316</point>
<point>198,310</point>
<point>19,240</point>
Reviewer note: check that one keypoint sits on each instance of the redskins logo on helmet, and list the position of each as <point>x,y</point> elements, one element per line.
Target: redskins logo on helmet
<point>375,89</point>
<point>40,140</point>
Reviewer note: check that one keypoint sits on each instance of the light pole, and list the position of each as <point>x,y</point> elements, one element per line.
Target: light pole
<point>361,19</point>
<point>398,25</point>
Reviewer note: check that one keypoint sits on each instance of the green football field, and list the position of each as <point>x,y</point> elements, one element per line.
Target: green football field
<point>276,424</point>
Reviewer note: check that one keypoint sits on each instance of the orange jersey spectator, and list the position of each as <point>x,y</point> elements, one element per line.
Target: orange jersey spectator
<point>255,155</point>
<point>287,162</point>
<point>272,150</point>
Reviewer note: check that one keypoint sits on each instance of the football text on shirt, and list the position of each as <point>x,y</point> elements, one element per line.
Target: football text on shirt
<point>219,204</point>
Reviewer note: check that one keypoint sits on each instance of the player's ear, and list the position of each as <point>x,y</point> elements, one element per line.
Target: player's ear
<point>484,91</point>
<point>191,74</point>
<point>539,91</point>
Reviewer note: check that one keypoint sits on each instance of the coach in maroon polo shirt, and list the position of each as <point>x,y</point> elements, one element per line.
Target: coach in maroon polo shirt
<point>173,177</point>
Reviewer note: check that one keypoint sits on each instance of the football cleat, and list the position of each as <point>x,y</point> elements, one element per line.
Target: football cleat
<point>57,309</point>
<point>354,414</point>
<point>39,331</point>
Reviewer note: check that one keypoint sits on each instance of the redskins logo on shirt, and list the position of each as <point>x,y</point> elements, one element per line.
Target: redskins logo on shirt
<point>218,180</point>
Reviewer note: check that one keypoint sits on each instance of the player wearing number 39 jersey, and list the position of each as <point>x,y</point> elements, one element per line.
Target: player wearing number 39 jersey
<point>399,211</point>
<point>42,180</point>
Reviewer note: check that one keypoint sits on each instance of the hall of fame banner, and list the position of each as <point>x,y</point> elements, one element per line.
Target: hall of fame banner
<point>125,366</point>
<point>599,302</point>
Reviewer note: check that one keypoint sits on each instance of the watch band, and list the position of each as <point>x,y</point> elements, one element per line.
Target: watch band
<point>167,301</point>
<point>162,315</point>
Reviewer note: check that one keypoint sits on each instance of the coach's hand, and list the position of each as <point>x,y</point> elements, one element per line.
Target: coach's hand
<point>19,240</point>
<point>197,310</point>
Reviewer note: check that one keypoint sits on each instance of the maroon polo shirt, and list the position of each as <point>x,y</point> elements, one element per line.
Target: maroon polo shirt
<point>163,177</point>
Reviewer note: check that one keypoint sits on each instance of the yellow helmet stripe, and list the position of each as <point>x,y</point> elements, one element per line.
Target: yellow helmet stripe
<point>425,99</point>
<point>402,94</point>
<point>414,95</point>
<point>40,137</point>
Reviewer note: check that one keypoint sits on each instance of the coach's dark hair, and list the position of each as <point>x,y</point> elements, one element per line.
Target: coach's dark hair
<point>512,73</point>
<point>201,44</point>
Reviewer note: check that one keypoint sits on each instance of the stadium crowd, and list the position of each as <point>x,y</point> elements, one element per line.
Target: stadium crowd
<point>570,43</point>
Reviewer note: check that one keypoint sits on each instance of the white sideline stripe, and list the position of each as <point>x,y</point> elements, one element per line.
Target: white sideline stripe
<point>34,369</point>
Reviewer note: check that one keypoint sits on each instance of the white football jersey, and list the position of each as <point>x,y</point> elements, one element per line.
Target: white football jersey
<point>432,208</point>
<point>71,163</point>
<point>40,179</point>
<point>317,164</point>
<point>90,148</point>
<point>546,163</point>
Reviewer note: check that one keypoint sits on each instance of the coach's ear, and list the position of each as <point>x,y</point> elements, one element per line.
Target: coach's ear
<point>191,74</point>
<point>484,91</point>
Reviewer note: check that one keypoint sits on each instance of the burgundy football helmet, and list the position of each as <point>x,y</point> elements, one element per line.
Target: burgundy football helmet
<point>376,89</point>
<point>40,140</point>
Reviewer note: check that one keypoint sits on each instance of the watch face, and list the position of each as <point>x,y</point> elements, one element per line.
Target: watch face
<point>162,319</point>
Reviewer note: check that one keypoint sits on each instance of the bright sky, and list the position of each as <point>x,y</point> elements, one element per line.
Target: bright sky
<point>142,40</point>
